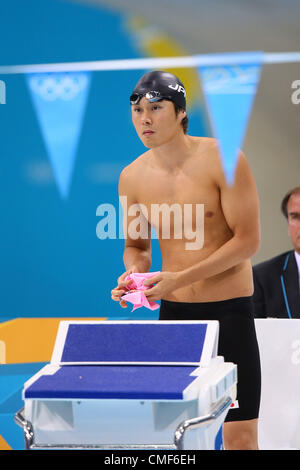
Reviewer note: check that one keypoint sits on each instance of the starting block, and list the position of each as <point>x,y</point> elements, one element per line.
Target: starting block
<point>130,385</point>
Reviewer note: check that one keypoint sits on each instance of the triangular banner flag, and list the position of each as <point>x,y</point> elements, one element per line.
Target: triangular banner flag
<point>60,100</point>
<point>229,91</point>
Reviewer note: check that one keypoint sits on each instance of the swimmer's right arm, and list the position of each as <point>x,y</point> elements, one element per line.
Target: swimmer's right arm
<point>137,251</point>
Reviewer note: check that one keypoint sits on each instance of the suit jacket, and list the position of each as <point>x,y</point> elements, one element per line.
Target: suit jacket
<point>276,287</point>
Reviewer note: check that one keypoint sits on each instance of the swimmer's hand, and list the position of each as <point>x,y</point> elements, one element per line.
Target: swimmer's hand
<point>165,282</point>
<point>122,287</point>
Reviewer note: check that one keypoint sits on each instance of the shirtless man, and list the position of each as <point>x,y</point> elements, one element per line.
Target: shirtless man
<point>212,282</point>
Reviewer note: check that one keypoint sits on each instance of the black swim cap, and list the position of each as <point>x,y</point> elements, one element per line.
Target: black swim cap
<point>158,86</point>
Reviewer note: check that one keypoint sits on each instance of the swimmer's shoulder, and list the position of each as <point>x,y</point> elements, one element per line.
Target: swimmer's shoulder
<point>209,143</point>
<point>208,156</point>
<point>207,149</point>
<point>132,171</point>
<point>135,165</point>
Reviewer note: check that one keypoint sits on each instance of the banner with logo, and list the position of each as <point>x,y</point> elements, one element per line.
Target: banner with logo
<point>60,100</point>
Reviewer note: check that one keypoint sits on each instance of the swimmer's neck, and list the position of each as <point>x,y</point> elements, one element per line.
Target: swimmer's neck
<point>174,153</point>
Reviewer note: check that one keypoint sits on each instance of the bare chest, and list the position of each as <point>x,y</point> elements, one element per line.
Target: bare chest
<point>178,198</point>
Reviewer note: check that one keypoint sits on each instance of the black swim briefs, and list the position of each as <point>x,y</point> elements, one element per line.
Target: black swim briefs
<point>237,344</point>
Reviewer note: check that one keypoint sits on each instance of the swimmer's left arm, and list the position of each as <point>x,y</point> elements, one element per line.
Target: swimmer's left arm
<point>241,210</point>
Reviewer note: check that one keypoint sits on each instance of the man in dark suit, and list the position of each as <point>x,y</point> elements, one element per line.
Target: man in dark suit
<point>277,281</point>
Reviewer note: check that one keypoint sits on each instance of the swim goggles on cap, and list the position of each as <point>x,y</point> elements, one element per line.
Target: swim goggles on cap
<point>151,96</point>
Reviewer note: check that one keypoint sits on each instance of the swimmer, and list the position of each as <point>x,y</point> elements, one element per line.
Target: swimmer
<point>215,281</point>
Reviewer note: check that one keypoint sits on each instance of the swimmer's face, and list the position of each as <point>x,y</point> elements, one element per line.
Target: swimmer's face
<point>293,210</point>
<point>156,123</point>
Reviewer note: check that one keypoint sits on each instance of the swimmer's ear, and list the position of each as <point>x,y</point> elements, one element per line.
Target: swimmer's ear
<point>181,114</point>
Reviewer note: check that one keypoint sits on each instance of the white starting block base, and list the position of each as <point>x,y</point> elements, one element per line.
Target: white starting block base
<point>72,404</point>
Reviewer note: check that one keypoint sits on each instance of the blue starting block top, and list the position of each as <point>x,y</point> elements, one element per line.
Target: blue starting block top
<point>140,342</point>
<point>114,382</point>
<point>126,360</point>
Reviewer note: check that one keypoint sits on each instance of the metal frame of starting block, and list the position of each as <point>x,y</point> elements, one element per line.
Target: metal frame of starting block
<point>130,385</point>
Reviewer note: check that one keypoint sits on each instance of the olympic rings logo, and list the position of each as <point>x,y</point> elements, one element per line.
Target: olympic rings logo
<point>64,86</point>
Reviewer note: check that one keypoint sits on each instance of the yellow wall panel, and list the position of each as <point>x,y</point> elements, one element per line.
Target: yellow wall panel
<point>3,444</point>
<point>29,339</point>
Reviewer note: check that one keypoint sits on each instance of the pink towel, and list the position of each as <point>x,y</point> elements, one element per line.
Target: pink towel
<point>138,298</point>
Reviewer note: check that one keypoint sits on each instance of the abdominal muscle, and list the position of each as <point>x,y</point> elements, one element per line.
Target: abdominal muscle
<point>234,282</point>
